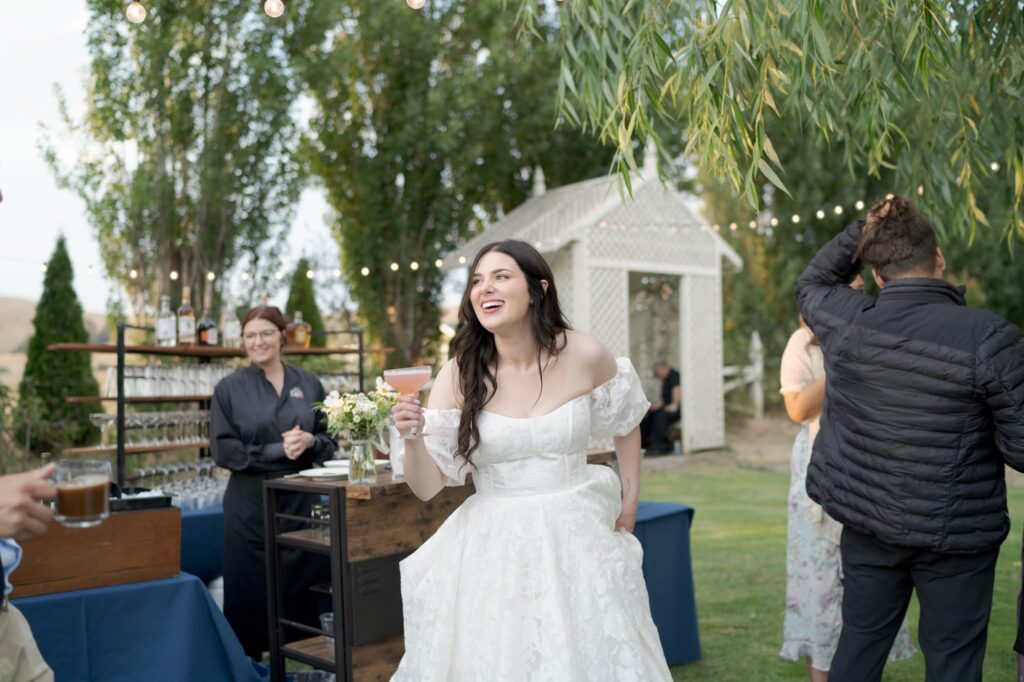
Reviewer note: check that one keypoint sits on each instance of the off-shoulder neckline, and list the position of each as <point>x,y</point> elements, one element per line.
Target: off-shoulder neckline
<point>546,414</point>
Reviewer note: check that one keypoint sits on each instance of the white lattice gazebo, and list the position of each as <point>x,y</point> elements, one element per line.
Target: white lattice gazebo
<point>642,273</point>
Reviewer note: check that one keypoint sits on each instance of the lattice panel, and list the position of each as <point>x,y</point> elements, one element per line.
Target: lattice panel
<point>561,266</point>
<point>608,301</point>
<point>653,248</point>
<point>703,404</point>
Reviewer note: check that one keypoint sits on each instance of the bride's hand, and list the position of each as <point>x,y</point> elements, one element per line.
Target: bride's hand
<point>407,414</point>
<point>627,519</point>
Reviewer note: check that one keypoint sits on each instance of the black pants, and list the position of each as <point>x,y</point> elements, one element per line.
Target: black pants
<point>245,572</point>
<point>955,593</point>
<point>654,430</point>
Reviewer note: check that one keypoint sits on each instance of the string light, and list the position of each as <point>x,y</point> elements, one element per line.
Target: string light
<point>820,214</point>
<point>795,219</point>
<point>394,267</point>
<point>752,224</point>
<point>462,260</point>
<point>439,263</point>
<point>414,266</point>
<point>416,4</point>
<point>134,274</point>
<point>210,276</point>
<point>337,272</point>
<point>994,166</point>
<point>46,267</point>
<point>309,274</point>
<point>174,275</point>
<point>774,221</point>
<point>273,8</point>
<point>245,275</point>
<point>278,275</point>
<point>838,210</point>
<point>135,13</point>
<point>859,205</point>
<point>365,271</point>
<point>920,190</point>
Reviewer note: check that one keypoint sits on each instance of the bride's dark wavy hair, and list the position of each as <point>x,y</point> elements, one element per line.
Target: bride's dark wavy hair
<point>473,346</point>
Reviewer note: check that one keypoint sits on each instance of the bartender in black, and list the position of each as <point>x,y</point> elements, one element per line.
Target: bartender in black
<point>262,425</point>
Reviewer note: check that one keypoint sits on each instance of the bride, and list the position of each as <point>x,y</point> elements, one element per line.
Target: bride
<point>537,576</point>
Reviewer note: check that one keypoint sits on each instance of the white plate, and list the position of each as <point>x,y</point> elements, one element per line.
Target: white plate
<point>324,474</point>
<point>345,462</point>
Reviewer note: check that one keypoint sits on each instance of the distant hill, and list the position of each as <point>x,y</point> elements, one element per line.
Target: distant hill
<point>17,314</point>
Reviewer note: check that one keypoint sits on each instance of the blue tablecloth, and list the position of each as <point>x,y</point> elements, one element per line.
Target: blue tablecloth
<point>161,630</point>
<point>663,529</point>
<point>202,542</point>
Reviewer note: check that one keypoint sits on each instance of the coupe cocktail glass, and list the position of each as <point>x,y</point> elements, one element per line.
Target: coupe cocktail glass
<point>409,380</point>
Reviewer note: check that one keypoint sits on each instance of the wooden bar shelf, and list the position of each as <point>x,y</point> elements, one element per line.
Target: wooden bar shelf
<point>134,449</point>
<point>315,651</point>
<point>139,399</point>
<point>205,351</point>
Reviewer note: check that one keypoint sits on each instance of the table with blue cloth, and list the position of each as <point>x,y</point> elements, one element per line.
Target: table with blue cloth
<point>663,529</point>
<point>202,542</point>
<point>156,630</point>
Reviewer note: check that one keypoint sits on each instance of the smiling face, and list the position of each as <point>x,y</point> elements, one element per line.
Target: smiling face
<point>499,292</point>
<point>262,341</point>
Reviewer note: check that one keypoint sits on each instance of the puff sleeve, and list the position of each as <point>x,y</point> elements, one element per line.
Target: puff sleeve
<point>618,405</point>
<point>441,431</point>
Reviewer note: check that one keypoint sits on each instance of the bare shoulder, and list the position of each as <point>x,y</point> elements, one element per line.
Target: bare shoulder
<point>588,353</point>
<point>445,394</point>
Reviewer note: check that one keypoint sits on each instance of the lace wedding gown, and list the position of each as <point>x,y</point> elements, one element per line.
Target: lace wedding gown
<point>527,581</point>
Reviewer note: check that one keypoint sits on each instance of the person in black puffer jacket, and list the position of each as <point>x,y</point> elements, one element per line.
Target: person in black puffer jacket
<point>924,405</point>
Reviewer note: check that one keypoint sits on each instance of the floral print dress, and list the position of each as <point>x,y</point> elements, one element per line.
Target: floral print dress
<point>814,587</point>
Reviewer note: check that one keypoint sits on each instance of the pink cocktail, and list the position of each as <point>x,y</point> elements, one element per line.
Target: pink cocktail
<point>408,380</point>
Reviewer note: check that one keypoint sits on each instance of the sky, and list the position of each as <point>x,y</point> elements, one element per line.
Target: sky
<point>43,44</point>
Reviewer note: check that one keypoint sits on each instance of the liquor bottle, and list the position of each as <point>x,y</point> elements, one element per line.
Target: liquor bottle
<point>186,320</point>
<point>166,325</point>
<point>298,332</point>
<point>230,326</point>
<point>207,329</point>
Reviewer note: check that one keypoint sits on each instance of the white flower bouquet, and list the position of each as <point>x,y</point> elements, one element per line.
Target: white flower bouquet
<point>361,419</point>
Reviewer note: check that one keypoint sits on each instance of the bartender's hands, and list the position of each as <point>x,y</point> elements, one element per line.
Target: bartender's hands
<point>296,442</point>
<point>22,513</point>
<point>407,414</point>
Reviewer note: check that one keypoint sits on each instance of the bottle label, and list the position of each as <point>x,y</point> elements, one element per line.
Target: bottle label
<point>186,328</point>
<point>211,336</point>
<point>165,329</point>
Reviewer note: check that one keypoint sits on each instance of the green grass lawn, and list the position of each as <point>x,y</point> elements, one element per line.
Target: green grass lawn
<point>739,563</point>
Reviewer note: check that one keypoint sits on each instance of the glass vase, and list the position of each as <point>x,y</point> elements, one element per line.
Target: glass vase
<point>362,466</point>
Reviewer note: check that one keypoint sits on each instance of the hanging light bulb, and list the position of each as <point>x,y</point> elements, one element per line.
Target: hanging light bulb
<point>795,219</point>
<point>365,271</point>
<point>45,268</point>
<point>439,263</point>
<point>820,214</point>
<point>394,267</point>
<point>210,276</point>
<point>337,272</point>
<point>134,274</point>
<point>245,275</point>
<point>414,266</point>
<point>994,166</point>
<point>838,210</point>
<point>274,8</point>
<point>859,205</point>
<point>309,274</point>
<point>278,275</point>
<point>752,224</point>
<point>135,13</point>
<point>416,4</point>
<point>174,275</point>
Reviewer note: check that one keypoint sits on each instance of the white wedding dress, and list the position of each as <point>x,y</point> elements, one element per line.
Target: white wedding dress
<point>527,581</point>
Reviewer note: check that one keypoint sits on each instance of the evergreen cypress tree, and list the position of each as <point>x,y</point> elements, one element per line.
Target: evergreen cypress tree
<point>50,376</point>
<point>303,297</point>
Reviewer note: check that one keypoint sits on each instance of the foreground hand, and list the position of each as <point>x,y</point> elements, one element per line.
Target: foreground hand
<point>627,519</point>
<point>296,442</point>
<point>22,514</point>
<point>408,414</point>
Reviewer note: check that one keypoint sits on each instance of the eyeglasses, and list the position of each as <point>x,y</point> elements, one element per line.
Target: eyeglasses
<point>266,335</point>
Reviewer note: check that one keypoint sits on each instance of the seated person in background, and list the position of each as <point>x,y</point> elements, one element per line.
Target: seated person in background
<point>663,413</point>
<point>22,516</point>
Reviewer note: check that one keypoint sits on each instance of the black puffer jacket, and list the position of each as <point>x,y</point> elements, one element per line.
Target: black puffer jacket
<point>924,404</point>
